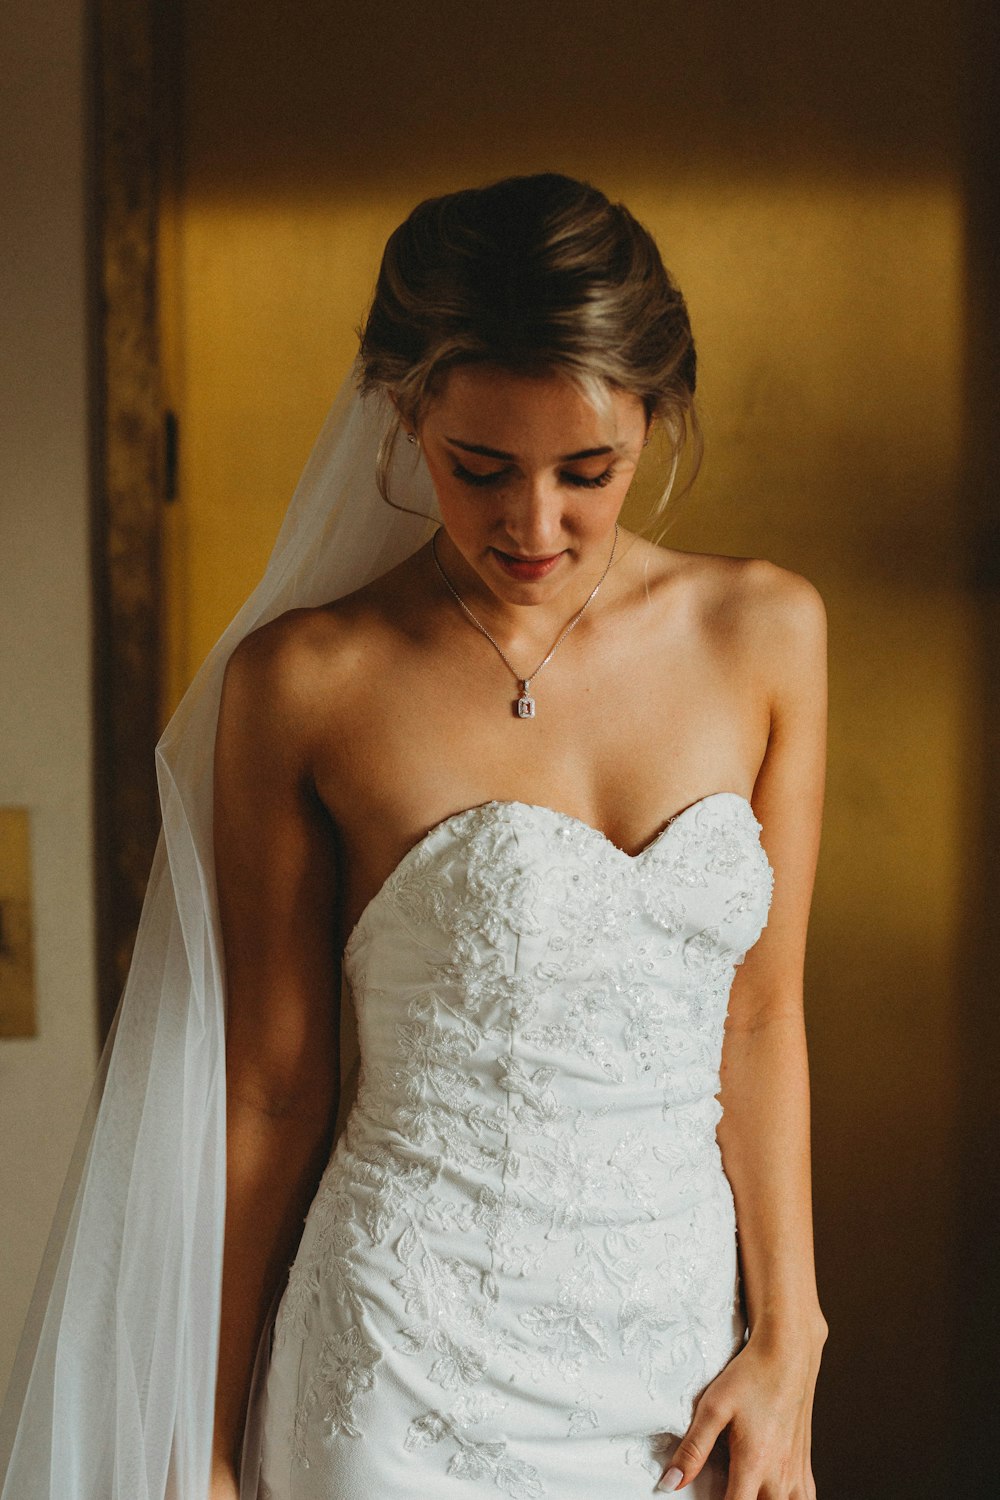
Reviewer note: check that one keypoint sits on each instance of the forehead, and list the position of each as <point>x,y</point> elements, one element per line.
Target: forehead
<point>516,411</point>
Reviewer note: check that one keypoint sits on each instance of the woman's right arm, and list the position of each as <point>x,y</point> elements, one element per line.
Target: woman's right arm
<point>275,872</point>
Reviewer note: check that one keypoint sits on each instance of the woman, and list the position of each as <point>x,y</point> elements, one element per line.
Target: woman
<point>519,1270</point>
<point>519,775</point>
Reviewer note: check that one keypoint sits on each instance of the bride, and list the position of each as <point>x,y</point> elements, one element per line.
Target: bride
<point>520,785</point>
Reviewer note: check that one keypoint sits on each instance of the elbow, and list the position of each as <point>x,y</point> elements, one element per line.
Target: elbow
<point>285,1102</point>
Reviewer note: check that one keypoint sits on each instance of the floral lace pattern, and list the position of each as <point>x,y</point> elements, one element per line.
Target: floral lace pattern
<point>525,1238</point>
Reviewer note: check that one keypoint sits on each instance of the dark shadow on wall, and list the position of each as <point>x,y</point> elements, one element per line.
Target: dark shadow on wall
<point>977,1281</point>
<point>824,90</point>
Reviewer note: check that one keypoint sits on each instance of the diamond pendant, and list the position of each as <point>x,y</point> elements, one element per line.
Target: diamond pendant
<point>525,705</point>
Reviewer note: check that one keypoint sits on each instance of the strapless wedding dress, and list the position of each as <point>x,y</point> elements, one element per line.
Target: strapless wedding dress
<point>520,1268</point>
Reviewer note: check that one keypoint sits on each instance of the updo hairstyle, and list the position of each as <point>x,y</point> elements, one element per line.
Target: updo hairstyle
<point>534,274</point>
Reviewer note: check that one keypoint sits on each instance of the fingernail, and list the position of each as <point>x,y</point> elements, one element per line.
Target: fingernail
<point>671,1480</point>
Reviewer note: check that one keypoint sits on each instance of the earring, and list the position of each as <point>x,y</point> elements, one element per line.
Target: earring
<point>411,437</point>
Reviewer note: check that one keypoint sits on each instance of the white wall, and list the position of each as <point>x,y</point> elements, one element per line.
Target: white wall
<point>45,645</point>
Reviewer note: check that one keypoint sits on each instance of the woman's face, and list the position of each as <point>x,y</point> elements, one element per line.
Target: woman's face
<point>530,478</point>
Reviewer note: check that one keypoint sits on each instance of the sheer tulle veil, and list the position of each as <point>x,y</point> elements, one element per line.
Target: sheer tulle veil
<point>112,1392</point>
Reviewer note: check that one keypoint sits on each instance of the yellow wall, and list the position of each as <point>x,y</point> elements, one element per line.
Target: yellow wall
<point>801,170</point>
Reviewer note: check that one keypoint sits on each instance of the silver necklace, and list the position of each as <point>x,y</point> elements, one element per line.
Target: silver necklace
<point>524,705</point>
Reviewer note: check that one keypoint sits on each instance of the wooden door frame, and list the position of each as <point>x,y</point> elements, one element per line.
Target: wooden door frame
<point>127,471</point>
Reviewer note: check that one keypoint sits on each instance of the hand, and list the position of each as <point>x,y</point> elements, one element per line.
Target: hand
<point>763,1401</point>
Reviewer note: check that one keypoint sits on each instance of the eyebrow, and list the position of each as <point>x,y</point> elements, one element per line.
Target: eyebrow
<point>485,452</point>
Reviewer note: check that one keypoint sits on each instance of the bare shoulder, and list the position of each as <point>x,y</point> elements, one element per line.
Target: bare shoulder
<point>299,675</point>
<point>785,624</point>
<point>777,603</point>
<point>777,634</point>
<point>289,654</point>
<point>767,614</point>
<point>279,676</point>
<point>751,587</point>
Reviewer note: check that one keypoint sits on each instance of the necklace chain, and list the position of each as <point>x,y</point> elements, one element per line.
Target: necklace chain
<point>525,705</point>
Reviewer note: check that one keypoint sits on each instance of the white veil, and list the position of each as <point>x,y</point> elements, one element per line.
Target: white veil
<point>112,1393</point>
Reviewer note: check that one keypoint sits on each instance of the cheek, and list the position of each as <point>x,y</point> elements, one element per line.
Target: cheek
<point>600,509</point>
<point>449,492</point>
<point>464,516</point>
<point>464,510</point>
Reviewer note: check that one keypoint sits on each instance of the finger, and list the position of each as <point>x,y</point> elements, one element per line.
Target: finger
<point>744,1487</point>
<point>748,1468</point>
<point>693,1450</point>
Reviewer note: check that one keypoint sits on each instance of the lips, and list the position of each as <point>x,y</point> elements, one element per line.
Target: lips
<point>525,568</point>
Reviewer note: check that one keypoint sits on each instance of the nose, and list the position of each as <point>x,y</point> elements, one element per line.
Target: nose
<point>533,517</point>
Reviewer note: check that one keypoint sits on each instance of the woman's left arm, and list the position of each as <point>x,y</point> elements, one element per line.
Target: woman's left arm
<point>762,1400</point>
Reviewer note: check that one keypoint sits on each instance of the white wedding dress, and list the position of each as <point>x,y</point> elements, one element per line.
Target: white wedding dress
<point>520,1268</point>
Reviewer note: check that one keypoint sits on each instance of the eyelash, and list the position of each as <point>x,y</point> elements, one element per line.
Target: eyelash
<point>482,481</point>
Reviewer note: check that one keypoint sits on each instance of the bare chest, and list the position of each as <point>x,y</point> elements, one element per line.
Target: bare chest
<point>620,739</point>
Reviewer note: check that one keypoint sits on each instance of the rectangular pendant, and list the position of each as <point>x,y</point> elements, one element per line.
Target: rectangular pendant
<point>525,707</point>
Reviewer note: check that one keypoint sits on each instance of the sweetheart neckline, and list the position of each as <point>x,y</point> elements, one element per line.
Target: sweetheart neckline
<point>536,807</point>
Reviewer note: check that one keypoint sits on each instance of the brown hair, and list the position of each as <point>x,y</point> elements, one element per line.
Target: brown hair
<point>533,274</point>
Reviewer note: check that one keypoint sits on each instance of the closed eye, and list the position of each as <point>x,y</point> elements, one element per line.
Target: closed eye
<point>596,483</point>
<point>467,476</point>
<point>496,476</point>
